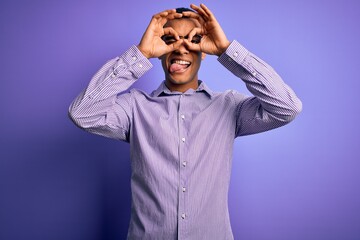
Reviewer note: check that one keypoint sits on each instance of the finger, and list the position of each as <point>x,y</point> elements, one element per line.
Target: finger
<point>195,31</point>
<point>159,16</point>
<point>195,16</point>
<point>172,32</point>
<point>207,11</point>
<point>170,14</point>
<point>166,16</point>
<point>200,11</point>
<point>164,13</point>
<point>174,15</point>
<point>192,46</point>
<point>176,45</point>
<point>163,20</point>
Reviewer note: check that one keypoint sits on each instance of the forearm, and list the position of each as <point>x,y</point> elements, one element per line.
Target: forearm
<point>90,107</point>
<point>275,97</point>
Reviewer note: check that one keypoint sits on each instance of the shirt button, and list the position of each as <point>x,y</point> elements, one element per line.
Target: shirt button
<point>134,58</point>
<point>183,139</point>
<point>184,189</point>
<point>229,59</point>
<point>113,75</point>
<point>254,74</point>
<point>140,65</point>
<point>183,216</point>
<point>182,116</point>
<point>235,54</point>
<point>184,163</point>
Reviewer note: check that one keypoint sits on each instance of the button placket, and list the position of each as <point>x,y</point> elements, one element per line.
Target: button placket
<point>182,163</point>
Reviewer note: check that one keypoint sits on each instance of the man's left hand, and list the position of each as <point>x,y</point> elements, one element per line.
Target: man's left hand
<point>214,40</point>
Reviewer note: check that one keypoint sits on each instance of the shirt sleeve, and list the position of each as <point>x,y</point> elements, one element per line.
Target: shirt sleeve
<point>274,103</point>
<point>100,108</point>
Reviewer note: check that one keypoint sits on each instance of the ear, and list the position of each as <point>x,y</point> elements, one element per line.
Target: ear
<point>203,55</point>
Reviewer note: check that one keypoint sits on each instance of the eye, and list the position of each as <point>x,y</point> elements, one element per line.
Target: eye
<point>196,39</point>
<point>168,39</point>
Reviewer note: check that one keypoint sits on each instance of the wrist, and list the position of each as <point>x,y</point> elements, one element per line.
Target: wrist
<point>143,52</point>
<point>223,48</point>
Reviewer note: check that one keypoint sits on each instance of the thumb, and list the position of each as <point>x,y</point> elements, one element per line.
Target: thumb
<point>192,46</point>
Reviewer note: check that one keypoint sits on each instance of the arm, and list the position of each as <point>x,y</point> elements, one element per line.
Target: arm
<point>274,104</point>
<point>99,109</point>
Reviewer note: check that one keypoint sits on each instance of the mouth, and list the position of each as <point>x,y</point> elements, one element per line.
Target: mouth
<point>178,66</point>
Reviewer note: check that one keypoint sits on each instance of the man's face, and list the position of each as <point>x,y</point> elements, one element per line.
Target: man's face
<point>182,65</point>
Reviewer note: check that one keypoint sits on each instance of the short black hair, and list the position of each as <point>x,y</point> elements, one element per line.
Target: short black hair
<point>182,9</point>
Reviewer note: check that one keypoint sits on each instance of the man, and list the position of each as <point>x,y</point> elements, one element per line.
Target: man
<point>181,135</point>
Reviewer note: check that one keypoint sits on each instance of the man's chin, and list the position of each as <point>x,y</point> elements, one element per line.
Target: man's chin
<point>178,81</point>
<point>177,75</point>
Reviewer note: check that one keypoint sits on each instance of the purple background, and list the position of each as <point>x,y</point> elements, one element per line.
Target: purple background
<point>297,182</point>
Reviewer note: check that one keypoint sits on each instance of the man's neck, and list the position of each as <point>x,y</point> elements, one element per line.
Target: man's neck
<point>181,87</point>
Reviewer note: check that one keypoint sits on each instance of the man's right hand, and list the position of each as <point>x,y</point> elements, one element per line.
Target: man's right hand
<point>151,44</point>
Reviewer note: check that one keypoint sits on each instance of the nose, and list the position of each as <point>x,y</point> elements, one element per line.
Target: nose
<point>182,48</point>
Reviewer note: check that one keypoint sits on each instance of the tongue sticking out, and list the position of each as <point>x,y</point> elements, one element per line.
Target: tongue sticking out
<point>177,67</point>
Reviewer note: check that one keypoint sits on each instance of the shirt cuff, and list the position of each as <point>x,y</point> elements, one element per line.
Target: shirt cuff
<point>234,56</point>
<point>135,61</point>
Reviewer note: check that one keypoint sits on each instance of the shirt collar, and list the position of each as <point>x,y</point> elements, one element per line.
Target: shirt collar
<point>163,90</point>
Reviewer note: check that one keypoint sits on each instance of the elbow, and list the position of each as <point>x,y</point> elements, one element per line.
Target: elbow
<point>297,107</point>
<point>288,112</point>
<point>74,117</point>
<point>294,110</point>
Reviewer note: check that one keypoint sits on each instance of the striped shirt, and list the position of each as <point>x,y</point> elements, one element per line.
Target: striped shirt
<point>181,143</point>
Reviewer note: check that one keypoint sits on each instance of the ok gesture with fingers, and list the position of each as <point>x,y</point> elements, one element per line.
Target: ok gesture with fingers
<point>151,44</point>
<point>214,40</point>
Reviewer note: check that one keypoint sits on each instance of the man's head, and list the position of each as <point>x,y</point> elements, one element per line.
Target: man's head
<point>181,66</point>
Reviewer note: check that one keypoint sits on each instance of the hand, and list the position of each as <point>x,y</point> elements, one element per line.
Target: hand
<point>213,40</point>
<point>151,44</point>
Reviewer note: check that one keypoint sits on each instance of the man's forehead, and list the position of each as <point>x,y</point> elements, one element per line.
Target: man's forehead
<point>183,22</point>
